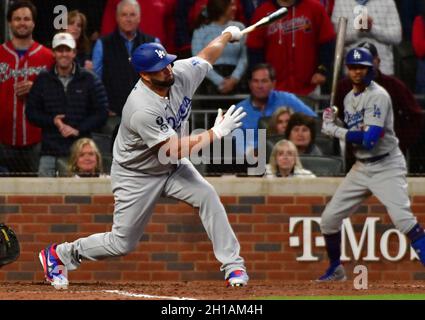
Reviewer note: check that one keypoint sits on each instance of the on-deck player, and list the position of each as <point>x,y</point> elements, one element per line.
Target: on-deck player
<point>380,168</point>
<point>152,121</point>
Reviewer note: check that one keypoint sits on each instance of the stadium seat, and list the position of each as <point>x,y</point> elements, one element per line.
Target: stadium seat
<point>103,142</point>
<point>110,125</point>
<point>270,143</point>
<point>329,146</point>
<point>323,165</point>
<point>62,164</point>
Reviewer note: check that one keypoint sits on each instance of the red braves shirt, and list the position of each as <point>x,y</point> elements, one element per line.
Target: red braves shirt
<point>418,37</point>
<point>15,130</point>
<point>291,45</point>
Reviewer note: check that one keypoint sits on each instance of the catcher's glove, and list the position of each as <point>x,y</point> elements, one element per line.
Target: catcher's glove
<point>9,245</point>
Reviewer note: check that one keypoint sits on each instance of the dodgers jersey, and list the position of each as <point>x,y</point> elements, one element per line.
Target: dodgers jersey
<point>148,119</point>
<point>371,107</point>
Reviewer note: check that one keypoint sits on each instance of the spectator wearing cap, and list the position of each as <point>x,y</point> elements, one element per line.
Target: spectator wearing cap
<point>111,55</point>
<point>67,103</point>
<point>408,117</point>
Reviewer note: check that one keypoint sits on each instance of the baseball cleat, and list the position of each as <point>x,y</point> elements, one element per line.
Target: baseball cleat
<point>334,273</point>
<point>419,246</point>
<point>55,271</point>
<point>237,278</point>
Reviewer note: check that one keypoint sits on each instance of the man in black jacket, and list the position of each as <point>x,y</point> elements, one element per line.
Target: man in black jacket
<point>67,103</point>
<point>111,55</point>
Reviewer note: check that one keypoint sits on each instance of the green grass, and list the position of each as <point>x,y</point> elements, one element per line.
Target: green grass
<point>359,297</point>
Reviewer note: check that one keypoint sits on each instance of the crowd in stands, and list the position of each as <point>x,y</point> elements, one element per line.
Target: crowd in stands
<point>60,88</point>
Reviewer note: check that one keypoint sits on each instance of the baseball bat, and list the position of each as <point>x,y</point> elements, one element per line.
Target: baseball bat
<point>266,20</point>
<point>339,52</point>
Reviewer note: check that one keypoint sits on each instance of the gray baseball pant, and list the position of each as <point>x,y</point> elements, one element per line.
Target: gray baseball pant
<point>135,197</point>
<point>386,179</point>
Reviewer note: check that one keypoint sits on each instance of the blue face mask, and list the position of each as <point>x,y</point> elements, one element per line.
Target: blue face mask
<point>362,2</point>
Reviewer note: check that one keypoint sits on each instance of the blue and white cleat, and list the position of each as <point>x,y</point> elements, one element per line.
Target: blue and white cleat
<point>55,271</point>
<point>334,273</point>
<point>237,278</point>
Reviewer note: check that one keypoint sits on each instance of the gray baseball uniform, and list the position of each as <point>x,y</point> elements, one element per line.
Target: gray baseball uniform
<point>380,171</point>
<point>138,177</point>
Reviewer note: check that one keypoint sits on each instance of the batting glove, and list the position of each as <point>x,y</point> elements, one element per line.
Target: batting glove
<point>329,114</point>
<point>332,130</point>
<point>230,121</point>
<point>234,31</point>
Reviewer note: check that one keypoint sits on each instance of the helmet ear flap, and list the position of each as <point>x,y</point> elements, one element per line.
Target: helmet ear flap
<point>369,76</point>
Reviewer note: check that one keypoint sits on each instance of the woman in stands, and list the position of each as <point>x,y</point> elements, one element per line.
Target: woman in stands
<point>231,66</point>
<point>85,159</point>
<point>279,121</point>
<point>301,131</point>
<point>285,162</point>
<point>77,24</point>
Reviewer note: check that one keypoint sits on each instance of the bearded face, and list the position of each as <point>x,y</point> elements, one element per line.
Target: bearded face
<point>22,23</point>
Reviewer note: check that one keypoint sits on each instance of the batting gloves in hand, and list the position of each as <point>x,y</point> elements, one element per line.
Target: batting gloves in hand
<point>332,130</point>
<point>231,120</point>
<point>234,31</point>
<point>329,115</point>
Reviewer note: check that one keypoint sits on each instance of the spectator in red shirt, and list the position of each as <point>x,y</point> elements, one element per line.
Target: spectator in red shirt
<point>418,42</point>
<point>188,13</point>
<point>329,6</point>
<point>21,60</point>
<point>299,46</point>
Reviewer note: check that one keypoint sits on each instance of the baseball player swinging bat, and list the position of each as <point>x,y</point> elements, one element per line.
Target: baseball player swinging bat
<point>266,20</point>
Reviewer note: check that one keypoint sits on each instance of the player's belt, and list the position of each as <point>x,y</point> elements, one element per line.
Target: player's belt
<point>374,159</point>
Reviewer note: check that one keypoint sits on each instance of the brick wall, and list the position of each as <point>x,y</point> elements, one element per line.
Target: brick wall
<point>175,245</point>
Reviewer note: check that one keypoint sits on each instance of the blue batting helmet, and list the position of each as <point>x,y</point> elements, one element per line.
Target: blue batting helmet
<point>151,57</point>
<point>361,56</point>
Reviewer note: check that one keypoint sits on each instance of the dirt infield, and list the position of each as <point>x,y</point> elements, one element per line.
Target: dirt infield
<point>202,290</point>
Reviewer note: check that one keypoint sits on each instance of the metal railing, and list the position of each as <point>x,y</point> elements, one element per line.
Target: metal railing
<point>208,113</point>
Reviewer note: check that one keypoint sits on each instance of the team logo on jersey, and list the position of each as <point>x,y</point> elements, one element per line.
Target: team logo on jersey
<point>160,53</point>
<point>301,23</point>
<point>357,55</point>
<point>376,111</point>
<point>182,114</point>
<point>354,120</point>
<point>8,72</point>
<point>159,120</point>
<point>164,127</point>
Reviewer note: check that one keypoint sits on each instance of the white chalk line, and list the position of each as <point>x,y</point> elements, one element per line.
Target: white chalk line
<point>147,296</point>
<point>119,292</point>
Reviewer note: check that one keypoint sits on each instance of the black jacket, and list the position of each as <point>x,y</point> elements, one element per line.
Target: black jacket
<point>84,105</point>
<point>119,76</point>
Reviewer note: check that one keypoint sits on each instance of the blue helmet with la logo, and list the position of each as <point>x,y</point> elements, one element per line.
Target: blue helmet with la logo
<point>151,57</point>
<point>361,56</point>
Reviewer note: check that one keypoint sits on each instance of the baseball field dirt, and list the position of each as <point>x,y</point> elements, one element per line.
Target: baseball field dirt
<point>204,290</point>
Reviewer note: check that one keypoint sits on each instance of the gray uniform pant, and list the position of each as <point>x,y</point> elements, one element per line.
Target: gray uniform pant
<point>386,179</point>
<point>135,197</point>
